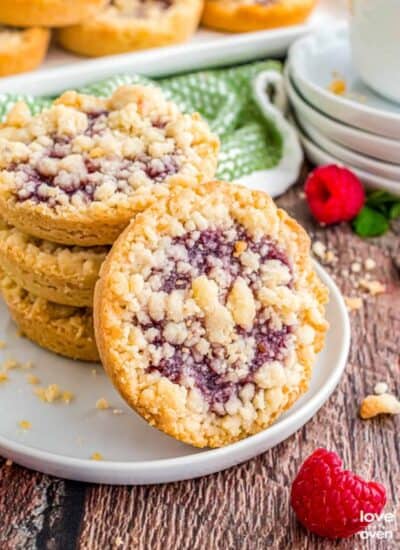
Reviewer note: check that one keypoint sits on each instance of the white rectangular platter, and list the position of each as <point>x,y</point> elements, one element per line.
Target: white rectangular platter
<point>207,49</point>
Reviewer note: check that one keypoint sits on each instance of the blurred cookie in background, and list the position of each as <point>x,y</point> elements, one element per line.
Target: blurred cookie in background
<point>22,50</point>
<point>128,25</point>
<point>47,13</point>
<point>255,15</point>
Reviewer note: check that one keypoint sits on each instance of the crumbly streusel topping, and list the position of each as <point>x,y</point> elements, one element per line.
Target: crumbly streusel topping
<point>86,153</point>
<point>226,335</point>
<point>209,294</point>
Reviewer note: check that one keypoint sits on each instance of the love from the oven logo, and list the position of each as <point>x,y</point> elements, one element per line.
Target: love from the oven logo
<point>383,528</point>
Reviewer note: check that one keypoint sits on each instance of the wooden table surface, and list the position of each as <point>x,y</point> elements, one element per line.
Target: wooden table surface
<point>245,507</point>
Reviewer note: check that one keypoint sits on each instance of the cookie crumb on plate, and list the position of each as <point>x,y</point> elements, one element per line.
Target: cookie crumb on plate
<point>102,404</point>
<point>3,377</point>
<point>32,379</point>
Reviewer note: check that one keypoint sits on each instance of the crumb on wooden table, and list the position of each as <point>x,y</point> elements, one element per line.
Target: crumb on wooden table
<point>380,388</point>
<point>353,303</point>
<point>369,264</point>
<point>373,405</point>
<point>372,287</point>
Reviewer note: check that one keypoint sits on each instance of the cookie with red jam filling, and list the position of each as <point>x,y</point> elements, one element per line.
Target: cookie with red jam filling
<point>77,172</point>
<point>209,314</point>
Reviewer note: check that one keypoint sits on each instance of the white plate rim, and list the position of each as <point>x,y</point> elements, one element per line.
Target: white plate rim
<point>349,156</point>
<point>361,115</point>
<point>158,62</point>
<point>87,470</point>
<point>370,181</point>
<point>381,147</point>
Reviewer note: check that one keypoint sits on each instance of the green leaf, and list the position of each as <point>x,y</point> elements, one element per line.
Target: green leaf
<point>370,223</point>
<point>377,198</point>
<point>395,211</point>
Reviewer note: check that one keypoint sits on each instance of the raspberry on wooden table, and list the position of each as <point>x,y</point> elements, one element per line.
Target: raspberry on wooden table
<point>330,501</point>
<point>334,194</point>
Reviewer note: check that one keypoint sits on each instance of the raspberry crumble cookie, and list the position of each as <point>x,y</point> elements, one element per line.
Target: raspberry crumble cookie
<point>47,13</point>
<point>65,330</point>
<point>254,15</point>
<point>127,25</point>
<point>59,273</point>
<point>77,172</point>
<point>22,50</point>
<point>208,313</point>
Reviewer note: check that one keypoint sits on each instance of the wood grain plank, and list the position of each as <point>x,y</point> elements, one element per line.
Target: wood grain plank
<point>37,511</point>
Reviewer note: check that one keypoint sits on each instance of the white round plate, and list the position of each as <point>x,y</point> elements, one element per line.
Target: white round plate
<point>319,157</point>
<point>314,61</point>
<point>63,437</point>
<point>379,168</point>
<point>364,142</point>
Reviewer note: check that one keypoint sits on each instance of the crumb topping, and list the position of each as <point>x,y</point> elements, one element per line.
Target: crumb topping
<point>84,151</point>
<point>226,335</point>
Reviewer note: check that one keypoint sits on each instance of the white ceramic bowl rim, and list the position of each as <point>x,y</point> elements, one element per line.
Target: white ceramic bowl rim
<point>310,40</point>
<point>296,97</point>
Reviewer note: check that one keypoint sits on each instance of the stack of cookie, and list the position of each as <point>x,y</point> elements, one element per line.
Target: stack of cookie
<point>71,179</point>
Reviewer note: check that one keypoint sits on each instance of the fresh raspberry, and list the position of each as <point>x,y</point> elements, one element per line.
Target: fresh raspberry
<point>334,194</point>
<point>328,500</point>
